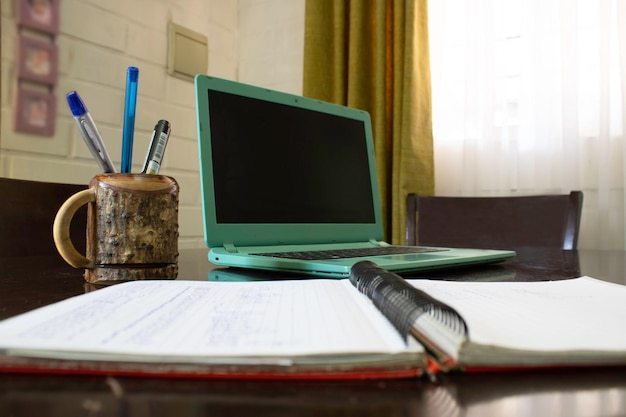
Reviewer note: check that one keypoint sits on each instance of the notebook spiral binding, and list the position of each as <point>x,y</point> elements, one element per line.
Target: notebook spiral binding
<point>401,303</point>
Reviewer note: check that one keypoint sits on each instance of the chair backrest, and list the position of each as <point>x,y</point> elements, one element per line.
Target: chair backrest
<point>27,211</point>
<point>546,221</point>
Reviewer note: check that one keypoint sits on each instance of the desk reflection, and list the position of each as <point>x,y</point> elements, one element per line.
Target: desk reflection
<point>556,393</point>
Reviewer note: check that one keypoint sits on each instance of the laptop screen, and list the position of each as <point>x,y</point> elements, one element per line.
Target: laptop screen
<point>277,163</point>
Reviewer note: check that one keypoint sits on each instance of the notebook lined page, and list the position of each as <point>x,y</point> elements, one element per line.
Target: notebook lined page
<point>576,314</point>
<point>205,318</point>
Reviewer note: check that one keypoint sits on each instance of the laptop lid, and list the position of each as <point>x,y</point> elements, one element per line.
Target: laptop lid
<point>281,172</point>
<point>281,169</point>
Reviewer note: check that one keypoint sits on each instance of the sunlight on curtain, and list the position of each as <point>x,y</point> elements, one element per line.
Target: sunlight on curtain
<point>527,99</point>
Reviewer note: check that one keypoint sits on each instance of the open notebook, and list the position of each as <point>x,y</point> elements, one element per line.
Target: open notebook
<point>284,175</point>
<point>372,325</point>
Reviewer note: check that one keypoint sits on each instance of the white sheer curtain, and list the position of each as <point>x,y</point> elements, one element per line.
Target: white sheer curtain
<point>528,99</point>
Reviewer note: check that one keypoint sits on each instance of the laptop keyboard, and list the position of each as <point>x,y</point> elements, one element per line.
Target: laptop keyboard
<point>349,253</point>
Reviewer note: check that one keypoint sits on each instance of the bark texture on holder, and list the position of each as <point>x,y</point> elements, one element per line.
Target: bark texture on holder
<point>133,228</point>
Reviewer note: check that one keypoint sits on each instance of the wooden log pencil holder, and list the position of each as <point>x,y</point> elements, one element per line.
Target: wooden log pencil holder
<point>132,228</point>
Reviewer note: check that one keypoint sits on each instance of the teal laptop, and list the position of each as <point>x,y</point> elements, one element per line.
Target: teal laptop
<point>289,184</point>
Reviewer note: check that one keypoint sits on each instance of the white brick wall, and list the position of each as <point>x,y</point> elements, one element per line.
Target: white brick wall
<point>254,41</point>
<point>271,39</point>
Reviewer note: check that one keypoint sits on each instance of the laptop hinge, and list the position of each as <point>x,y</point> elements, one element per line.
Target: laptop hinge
<point>230,248</point>
<point>375,242</point>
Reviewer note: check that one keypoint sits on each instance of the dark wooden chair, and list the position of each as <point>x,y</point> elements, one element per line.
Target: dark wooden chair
<point>542,221</point>
<point>27,211</point>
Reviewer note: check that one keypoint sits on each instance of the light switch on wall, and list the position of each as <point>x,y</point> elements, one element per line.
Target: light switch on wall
<point>188,52</point>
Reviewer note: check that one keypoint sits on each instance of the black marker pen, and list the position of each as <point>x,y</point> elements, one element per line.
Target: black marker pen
<point>157,147</point>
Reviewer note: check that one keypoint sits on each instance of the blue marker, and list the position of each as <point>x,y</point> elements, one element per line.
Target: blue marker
<point>132,75</point>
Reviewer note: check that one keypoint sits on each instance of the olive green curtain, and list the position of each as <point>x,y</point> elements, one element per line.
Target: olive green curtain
<point>373,55</point>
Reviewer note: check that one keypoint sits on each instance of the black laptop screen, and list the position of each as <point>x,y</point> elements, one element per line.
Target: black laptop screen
<point>274,163</point>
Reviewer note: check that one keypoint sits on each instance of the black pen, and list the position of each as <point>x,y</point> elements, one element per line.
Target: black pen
<point>157,147</point>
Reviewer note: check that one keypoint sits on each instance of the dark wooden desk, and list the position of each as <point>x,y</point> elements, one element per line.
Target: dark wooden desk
<point>28,283</point>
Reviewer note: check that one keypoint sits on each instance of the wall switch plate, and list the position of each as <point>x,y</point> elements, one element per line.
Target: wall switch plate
<point>188,52</point>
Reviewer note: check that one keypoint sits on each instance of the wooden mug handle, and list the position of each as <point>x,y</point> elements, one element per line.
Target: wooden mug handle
<point>61,229</point>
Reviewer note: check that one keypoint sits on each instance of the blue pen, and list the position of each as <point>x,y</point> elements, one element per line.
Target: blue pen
<point>132,76</point>
<point>89,132</point>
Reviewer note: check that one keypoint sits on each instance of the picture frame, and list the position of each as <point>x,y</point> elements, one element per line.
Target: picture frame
<point>39,15</point>
<point>37,61</point>
<point>35,112</point>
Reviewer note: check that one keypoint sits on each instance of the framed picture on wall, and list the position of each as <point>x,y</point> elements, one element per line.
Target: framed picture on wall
<point>37,61</point>
<point>35,112</point>
<point>40,15</point>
